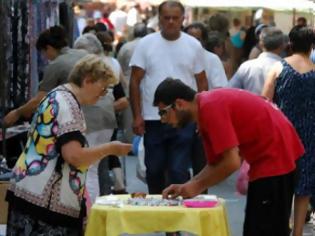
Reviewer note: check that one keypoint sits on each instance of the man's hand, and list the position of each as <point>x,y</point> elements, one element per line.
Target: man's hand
<point>11,118</point>
<point>173,191</point>
<point>138,126</point>
<point>187,190</point>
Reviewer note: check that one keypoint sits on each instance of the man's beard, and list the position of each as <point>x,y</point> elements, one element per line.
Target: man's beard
<point>184,118</point>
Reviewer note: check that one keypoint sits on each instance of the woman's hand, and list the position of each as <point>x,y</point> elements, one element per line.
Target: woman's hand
<point>120,149</point>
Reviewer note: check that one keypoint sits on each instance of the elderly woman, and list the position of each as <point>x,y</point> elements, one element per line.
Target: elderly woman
<point>46,194</point>
<point>291,85</point>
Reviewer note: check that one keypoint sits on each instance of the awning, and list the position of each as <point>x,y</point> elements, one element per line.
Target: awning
<point>276,5</point>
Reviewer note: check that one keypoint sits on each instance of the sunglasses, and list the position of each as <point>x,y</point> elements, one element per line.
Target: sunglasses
<point>163,112</point>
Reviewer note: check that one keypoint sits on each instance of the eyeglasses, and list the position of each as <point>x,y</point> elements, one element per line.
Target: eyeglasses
<point>107,89</point>
<point>163,112</point>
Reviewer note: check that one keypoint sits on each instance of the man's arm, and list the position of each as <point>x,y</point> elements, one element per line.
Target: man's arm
<point>202,82</point>
<point>137,75</point>
<point>236,80</point>
<point>25,110</point>
<point>209,176</point>
<point>214,174</point>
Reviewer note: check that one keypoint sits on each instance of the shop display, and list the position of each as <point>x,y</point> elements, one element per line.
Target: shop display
<point>21,64</point>
<point>141,199</point>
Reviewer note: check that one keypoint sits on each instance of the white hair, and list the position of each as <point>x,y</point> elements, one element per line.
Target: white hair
<point>90,43</point>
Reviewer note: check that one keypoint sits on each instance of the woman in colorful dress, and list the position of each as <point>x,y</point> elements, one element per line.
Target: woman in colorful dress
<point>46,194</point>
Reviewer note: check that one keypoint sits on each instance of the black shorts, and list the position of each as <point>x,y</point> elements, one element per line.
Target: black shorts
<point>268,206</point>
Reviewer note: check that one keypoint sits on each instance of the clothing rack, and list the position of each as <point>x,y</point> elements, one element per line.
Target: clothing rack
<point>21,65</point>
<point>3,71</point>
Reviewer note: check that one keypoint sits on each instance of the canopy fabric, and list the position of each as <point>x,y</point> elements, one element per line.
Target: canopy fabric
<point>276,5</point>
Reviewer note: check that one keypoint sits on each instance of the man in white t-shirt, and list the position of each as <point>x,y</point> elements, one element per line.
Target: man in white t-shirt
<point>216,78</point>
<point>119,19</point>
<point>213,65</point>
<point>168,53</point>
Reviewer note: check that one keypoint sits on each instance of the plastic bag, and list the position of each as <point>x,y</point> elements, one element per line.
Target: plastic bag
<point>242,179</point>
<point>138,150</point>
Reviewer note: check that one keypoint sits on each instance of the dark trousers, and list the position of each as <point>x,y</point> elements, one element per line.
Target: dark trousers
<point>268,207</point>
<point>198,157</point>
<point>167,154</point>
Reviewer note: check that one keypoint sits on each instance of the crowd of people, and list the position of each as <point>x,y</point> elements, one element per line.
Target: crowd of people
<point>194,108</point>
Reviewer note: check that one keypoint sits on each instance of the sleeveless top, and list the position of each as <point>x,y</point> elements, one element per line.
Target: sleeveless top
<point>236,40</point>
<point>295,96</point>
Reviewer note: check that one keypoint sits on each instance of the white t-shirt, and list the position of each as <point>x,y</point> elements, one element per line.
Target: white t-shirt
<point>215,71</point>
<point>119,20</point>
<point>161,58</point>
<point>133,17</point>
<point>114,65</point>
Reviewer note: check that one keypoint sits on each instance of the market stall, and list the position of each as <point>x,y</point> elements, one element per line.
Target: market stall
<point>283,12</point>
<point>21,65</point>
<point>113,215</point>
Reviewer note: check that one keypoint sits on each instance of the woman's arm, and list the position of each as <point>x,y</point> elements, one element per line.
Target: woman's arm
<point>270,82</point>
<point>78,156</point>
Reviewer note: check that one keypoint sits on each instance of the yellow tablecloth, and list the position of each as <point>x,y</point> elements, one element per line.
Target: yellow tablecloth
<point>113,221</point>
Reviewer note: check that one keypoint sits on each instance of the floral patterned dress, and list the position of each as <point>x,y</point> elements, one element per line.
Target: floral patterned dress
<point>46,193</point>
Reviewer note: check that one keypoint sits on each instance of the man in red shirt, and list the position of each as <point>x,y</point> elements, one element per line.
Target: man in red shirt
<point>235,125</point>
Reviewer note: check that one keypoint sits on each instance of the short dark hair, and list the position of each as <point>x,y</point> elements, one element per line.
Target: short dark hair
<point>201,27</point>
<point>106,40</point>
<point>171,89</point>
<point>214,40</point>
<point>100,27</point>
<point>302,21</point>
<point>301,39</point>
<point>236,22</point>
<point>139,30</point>
<point>272,38</point>
<point>171,4</point>
<point>55,37</point>
<point>89,29</point>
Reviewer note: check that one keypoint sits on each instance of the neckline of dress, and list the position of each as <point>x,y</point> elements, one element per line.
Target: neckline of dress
<point>295,71</point>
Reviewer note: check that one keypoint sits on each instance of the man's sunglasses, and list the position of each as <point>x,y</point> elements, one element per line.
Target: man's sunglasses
<point>163,112</point>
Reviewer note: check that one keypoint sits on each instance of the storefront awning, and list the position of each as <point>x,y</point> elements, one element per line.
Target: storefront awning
<point>276,5</point>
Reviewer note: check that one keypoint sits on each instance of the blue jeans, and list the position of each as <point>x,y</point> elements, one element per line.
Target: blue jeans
<point>167,154</point>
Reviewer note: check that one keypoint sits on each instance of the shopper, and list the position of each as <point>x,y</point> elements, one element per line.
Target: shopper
<point>291,85</point>
<point>53,44</point>
<point>46,194</point>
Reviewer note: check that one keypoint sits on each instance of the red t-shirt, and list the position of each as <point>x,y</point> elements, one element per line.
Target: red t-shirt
<point>265,137</point>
